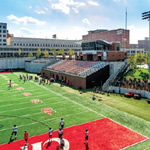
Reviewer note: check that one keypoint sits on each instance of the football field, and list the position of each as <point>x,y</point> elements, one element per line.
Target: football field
<point>35,108</point>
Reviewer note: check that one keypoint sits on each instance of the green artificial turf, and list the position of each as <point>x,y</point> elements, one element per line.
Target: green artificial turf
<point>75,108</point>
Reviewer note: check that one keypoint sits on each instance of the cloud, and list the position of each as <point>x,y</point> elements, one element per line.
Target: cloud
<point>66,5</point>
<point>116,0</point>
<point>75,10</point>
<point>94,3</point>
<point>39,11</point>
<point>124,1</point>
<point>86,21</point>
<point>137,33</point>
<point>25,20</point>
<point>30,7</point>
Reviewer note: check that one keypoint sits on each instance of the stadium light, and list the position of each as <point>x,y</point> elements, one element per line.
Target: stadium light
<point>146,15</point>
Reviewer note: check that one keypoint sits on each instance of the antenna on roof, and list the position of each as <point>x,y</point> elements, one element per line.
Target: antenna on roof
<point>126,19</point>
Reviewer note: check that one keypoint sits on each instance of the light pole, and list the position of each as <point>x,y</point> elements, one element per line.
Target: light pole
<point>146,15</point>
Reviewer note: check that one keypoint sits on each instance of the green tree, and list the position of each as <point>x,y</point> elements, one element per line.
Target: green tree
<point>19,51</point>
<point>61,51</point>
<point>139,58</point>
<point>147,58</point>
<point>38,53</point>
<point>132,62</point>
<point>53,51</point>
<point>70,52</point>
<point>46,54</point>
<point>30,54</point>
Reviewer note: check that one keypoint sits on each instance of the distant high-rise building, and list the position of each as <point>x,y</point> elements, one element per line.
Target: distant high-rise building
<point>118,35</point>
<point>3,34</point>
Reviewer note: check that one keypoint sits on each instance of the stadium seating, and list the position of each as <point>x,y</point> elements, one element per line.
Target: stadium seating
<point>81,68</point>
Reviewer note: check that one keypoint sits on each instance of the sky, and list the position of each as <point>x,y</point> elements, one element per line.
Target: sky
<point>70,19</point>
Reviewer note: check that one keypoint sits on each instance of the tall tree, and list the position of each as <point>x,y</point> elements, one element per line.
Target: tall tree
<point>139,58</point>
<point>30,54</point>
<point>147,58</point>
<point>61,51</point>
<point>19,51</point>
<point>70,52</point>
<point>38,53</point>
<point>46,53</point>
<point>132,62</point>
<point>53,51</point>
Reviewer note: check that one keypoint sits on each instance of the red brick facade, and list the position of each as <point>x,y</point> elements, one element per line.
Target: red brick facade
<point>111,56</point>
<point>118,35</point>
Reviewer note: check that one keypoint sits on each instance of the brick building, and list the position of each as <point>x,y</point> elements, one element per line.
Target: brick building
<point>118,35</point>
<point>100,50</point>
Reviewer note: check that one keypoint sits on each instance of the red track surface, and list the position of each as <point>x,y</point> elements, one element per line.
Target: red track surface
<point>104,134</point>
<point>4,72</point>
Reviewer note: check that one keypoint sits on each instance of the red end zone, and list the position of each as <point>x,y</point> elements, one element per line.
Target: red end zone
<point>5,72</point>
<point>104,134</point>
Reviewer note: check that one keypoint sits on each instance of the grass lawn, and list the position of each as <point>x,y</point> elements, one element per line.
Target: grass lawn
<point>139,73</point>
<point>75,108</point>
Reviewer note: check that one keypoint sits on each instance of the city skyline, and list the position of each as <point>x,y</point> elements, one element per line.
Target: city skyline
<point>70,19</point>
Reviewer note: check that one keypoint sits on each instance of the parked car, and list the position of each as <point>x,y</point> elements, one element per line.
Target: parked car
<point>129,94</point>
<point>137,96</point>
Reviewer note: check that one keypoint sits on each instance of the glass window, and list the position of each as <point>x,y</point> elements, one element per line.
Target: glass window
<point>4,40</point>
<point>4,31</point>
<point>4,27</point>
<point>4,35</point>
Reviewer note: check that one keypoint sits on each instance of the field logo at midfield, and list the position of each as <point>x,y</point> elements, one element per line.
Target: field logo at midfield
<point>20,88</point>
<point>27,94</point>
<point>36,101</point>
<point>39,145</point>
<point>48,110</point>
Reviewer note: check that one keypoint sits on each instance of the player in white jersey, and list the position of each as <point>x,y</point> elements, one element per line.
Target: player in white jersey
<point>14,132</point>
<point>60,133</point>
<point>50,134</point>
<point>62,123</point>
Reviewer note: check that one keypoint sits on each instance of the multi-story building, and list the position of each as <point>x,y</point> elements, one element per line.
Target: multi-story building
<point>118,35</point>
<point>100,50</point>
<point>134,51</point>
<point>142,45</point>
<point>3,34</point>
<point>10,45</point>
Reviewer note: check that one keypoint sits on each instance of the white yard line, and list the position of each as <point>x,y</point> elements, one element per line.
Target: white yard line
<point>22,108</point>
<point>43,121</point>
<point>13,104</point>
<point>34,113</point>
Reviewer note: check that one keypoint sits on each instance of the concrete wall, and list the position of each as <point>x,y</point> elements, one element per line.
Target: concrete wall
<point>14,62</point>
<point>143,93</point>
<point>33,67</point>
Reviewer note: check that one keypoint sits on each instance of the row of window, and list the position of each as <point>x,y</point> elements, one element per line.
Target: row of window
<point>4,40</point>
<point>28,49</point>
<point>2,44</point>
<point>4,35</point>
<point>45,45</point>
<point>4,27</point>
<point>2,31</point>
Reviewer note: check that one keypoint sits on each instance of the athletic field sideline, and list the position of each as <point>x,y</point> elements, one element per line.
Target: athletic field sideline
<point>16,108</point>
